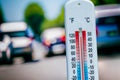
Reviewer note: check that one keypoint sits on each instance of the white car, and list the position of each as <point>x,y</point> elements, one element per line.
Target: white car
<point>54,39</point>
<point>22,39</point>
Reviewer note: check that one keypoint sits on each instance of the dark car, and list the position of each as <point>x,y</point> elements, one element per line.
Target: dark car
<point>22,39</point>
<point>5,49</point>
<point>108,26</point>
<point>54,39</point>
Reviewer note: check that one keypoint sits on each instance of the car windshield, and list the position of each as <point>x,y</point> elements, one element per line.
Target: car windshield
<point>108,20</point>
<point>17,34</point>
<point>29,32</point>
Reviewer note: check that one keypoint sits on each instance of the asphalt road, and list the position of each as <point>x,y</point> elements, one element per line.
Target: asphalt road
<point>54,68</point>
<point>109,68</point>
<point>48,69</point>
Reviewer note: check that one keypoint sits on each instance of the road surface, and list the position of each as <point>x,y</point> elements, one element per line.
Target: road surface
<point>54,68</point>
<point>49,69</point>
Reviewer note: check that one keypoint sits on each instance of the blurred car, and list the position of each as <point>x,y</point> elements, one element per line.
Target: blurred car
<point>54,39</point>
<point>5,49</point>
<point>22,38</point>
<point>108,26</point>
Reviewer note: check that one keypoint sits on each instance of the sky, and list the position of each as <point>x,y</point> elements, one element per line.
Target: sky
<point>14,9</point>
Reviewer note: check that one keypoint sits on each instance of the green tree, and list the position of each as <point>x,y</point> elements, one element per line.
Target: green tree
<point>48,24</point>
<point>110,1</point>
<point>96,2</point>
<point>60,19</point>
<point>57,22</point>
<point>1,16</point>
<point>118,1</point>
<point>34,16</point>
<point>101,2</point>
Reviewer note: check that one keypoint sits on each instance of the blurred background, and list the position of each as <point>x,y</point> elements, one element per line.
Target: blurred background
<point>32,39</point>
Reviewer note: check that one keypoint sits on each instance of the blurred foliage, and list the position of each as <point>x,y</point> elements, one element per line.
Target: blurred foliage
<point>96,2</point>
<point>57,22</point>
<point>34,16</point>
<point>48,24</point>
<point>1,16</point>
<point>60,19</point>
<point>102,2</point>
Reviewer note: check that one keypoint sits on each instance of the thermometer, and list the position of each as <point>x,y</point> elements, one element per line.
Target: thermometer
<point>81,45</point>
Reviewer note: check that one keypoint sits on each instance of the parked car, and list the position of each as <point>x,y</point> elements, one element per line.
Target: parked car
<point>22,39</point>
<point>5,49</point>
<point>54,39</point>
<point>108,26</point>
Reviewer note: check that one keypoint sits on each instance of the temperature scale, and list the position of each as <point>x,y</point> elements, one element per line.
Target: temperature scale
<point>81,40</point>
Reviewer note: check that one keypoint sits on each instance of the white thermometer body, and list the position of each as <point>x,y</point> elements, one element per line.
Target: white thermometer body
<point>81,48</point>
